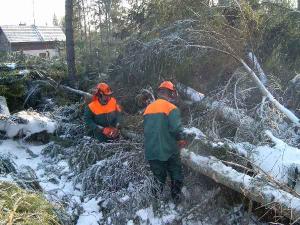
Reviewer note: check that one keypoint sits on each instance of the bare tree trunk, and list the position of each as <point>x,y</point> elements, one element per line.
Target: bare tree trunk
<point>253,188</point>
<point>90,39</point>
<point>80,24</point>
<point>84,20</point>
<point>100,23</point>
<point>265,92</point>
<point>70,41</point>
<point>262,76</point>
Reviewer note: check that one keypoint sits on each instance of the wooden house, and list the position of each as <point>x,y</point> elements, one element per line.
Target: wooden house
<point>32,40</point>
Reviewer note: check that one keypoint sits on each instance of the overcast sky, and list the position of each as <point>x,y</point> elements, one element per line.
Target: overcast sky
<point>12,12</point>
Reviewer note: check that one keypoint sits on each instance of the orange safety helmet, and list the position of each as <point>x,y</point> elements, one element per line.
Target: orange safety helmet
<point>168,85</point>
<point>104,89</point>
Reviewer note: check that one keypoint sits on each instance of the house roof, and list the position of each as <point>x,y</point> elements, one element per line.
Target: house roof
<point>16,34</point>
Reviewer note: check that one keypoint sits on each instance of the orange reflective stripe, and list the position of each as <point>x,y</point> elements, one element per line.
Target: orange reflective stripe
<point>160,106</point>
<point>98,109</point>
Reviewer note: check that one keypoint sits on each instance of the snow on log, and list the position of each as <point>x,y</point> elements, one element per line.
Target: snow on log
<point>190,93</point>
<point>25,123</point>
<point>257,67</point>
<point>231,115</point>
<point>281,162</point>
<point>253,188</point>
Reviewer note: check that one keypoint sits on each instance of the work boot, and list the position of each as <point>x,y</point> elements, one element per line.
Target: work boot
<point>176,194</point>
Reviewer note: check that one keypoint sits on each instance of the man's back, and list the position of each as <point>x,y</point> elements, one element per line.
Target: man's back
<point>162,127</point>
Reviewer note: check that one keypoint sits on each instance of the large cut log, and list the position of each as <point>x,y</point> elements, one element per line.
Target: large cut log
<point>254,188</point>
<point>231,115</point>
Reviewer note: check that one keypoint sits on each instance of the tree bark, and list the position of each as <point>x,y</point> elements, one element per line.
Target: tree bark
<point>84,20</point>
<point>253,188</point>
<point>70,41</point>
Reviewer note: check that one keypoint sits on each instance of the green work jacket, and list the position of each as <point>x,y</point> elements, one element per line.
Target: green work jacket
<point>162,130</point>
<point>108,115</point>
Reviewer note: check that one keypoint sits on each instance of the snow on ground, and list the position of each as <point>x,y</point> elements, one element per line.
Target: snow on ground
<point>56,187</point>
<point>148,217</point>
<point>91,215</point>
<point>17,152</point>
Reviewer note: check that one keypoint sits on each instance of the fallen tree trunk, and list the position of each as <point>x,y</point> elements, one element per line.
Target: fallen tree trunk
<point>262,76</point>
<point>253,188</point>
<point>231,115</point>
<point>53,84</point>
<point>265,92</point>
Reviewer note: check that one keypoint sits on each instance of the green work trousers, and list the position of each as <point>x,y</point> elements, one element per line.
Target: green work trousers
<point>172,166</point>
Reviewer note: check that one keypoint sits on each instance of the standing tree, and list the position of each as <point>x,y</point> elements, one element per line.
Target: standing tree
<point>70,41</point>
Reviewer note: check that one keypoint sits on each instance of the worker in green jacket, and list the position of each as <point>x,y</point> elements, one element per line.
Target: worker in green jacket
<point>164,137</point>
<point>103,114</point>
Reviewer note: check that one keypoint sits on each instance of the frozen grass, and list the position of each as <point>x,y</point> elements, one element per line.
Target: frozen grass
<point>20,207</point>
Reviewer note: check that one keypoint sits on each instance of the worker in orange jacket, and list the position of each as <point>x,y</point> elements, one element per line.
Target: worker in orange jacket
<point>164,138</point>
<point>103,114</point>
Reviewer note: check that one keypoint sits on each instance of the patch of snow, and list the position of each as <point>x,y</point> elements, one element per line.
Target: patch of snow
<point>24,72</point>
<point>17,152</point>
<point>91,214</point>
<point>193,130</point>
<point>148,217</point>
<point>11,66</point>
<point>277,160</point>
<point>124,199</point>
<point>130,222</point>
